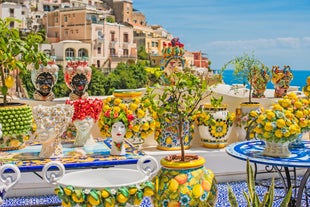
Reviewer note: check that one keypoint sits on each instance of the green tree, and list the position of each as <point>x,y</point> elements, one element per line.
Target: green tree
<point>97,83</point>
<point>17,53</point>
<point>142,54</point>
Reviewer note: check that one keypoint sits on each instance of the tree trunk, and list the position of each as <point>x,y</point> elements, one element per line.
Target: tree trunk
<point>180,132</point>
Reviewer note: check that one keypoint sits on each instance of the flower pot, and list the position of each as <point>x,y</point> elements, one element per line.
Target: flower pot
<point>281,78</point>
<point>51,122</point>
<point>297,143</point>
<point>167,136</point>
<point>242,115</point>
<point>186,184</point>
<point>216,133</point>
<point>16,120</point>
<point>103,187</point>
<point>276,149</point>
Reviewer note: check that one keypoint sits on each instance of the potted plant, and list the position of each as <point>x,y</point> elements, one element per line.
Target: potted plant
<point>252,71</point>
<point>277,127</point>
<point>16,53</point>
<point>214,123</point>
<point>183,179</point>
<point>252,196</point>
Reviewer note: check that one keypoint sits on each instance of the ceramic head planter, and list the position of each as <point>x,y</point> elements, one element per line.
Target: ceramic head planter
<point>51,123</point>
<point>116,121</point>
<point>173,60</point>
<point>86,113</point>
<point>77,78</point>
<point>44,80</point>
<point>281,78</point>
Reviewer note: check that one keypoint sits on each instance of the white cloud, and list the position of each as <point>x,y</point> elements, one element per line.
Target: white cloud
<point>281,42</point>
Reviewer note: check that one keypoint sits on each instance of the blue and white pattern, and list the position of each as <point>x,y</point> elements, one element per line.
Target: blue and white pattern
<point>252,150</point>
<point>222,201</point>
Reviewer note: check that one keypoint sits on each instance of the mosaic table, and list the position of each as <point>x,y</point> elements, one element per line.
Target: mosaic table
<point>27,160</point>
<point>299,158</point>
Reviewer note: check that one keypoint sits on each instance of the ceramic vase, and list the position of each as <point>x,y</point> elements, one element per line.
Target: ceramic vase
<point>118,143</point>
<point>16,120</point>
<point>83,132</point>
<point>110,187</point>
<point>44,80</point>
<point>167,135</point>
<point>281,78</point>
<point>185,184</point>
<point>297,143</point>
<point>51,122</point>
<point>216,134</point>
<point>242,118</point>
<point>77,77</point>
<point>276,149</point>
<point>86,113</point>
<point>8,180</point>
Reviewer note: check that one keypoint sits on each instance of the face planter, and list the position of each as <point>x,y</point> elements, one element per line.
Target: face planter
<point>86,113</point>
<point>51,123</point>
<point>44,80</point>
<point>77,78</point>
<point>118,144</point>
<point>79,84</point>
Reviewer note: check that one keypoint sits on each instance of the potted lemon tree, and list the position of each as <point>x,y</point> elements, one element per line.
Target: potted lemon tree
<point>16,53</point>
<point>183,179</point>
<point>252,71</point>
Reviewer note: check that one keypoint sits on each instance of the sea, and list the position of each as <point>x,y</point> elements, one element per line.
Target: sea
<point>299,78</point>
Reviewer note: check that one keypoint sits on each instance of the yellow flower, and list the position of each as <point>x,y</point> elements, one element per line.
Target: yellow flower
<point>292,95</point>
<point>129,134</point>
<point>116,109</point>
<point>133,106</point>
<point>278,133</point>
<point>281,123</point>
<point>140,113</point>
<point>260,119</point>
<point>299,114</point>
<point>253,113</point>
<point>136,128</point>
<point>270,115</point>
<point>277,107</point>
<point>297,104</point>
<point>267,135</point>
<point>268,127</point>
<point>117,101</point>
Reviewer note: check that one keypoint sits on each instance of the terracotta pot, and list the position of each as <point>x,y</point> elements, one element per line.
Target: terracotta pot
<point>186,183</point>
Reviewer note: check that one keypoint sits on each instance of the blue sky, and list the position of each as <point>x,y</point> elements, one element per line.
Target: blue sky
<point>276,31</point>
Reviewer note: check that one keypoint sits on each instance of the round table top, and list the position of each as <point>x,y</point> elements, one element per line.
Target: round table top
<point>253,149</point>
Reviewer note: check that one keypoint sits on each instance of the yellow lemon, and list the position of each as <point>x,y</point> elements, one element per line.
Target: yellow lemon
<point>105,194</point>
<point>148,192</point>
<point>197,190</point>
<point>174,203</point>
<point>121,198</point>
<point>181,178</point>
<point>93,201</point>
<point>9,81</point>
<point>173,185</point>
<point>133,190</point>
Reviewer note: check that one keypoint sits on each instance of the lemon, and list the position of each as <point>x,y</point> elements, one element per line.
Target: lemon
<point>197,190</point>
<point>105,194</point>
<point>173,185</point>
<point>9,81</point>
<point>121,198</point>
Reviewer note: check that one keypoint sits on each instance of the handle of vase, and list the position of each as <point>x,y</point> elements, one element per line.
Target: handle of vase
<point>148,165</point>
<point>7,180</point>
<point>53,176</point>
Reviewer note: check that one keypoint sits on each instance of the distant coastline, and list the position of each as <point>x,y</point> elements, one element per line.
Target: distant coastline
<point>299,79</point>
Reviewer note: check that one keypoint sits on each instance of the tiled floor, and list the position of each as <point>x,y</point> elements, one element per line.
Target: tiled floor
<point>238,188</point>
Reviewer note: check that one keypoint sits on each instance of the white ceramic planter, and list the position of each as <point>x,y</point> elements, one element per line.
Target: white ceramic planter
<point>8,180</point>
<point>103,187</point>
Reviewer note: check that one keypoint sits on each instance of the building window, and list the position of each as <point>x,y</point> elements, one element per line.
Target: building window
<point>56,19</point>
<point>113,36</point>
<point>99,50</point>
<point>66,19</point>
<point>69,52</point>
<point>125,52</point>
<point>98,63</point>
<point>66,33</point>
<point>126,37</point>
<point>82,52</point>
<point>11,11</point>
<point>112,52</point>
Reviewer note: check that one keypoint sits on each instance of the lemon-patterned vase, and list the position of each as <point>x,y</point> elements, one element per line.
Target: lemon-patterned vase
<point>185,184</point>
<point>217,133</point>
<point>167,135</point>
